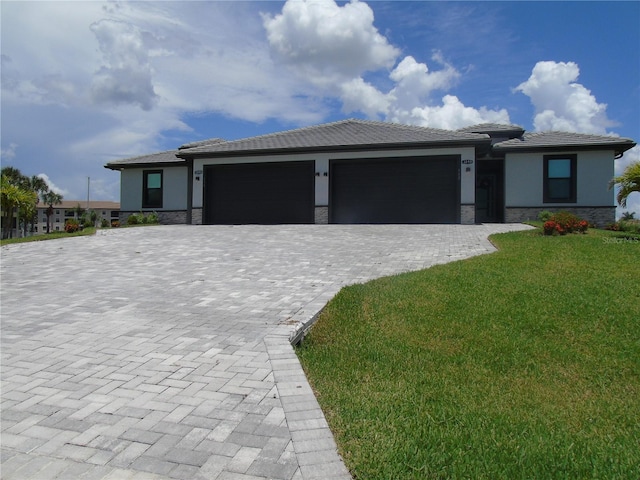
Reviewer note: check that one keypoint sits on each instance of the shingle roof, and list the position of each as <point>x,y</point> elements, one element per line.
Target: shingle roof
<point>211,141</point>
<point>345,134</point>
<point>167,157</point>
<point>564,140</point>
<point>495,128</point>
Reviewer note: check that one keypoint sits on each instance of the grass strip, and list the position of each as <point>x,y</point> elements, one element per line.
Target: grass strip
<point>520,364</point>
<point>48,236</point>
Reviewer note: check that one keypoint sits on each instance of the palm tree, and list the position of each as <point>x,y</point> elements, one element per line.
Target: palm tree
<point>629,182</point>
<point>40,187</point>
<point>12,197</point>
<point>51,198</point>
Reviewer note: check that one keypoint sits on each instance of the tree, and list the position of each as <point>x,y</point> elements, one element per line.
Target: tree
<point>629,182</point>
<point>30,215</point>
<point>12,197</point>
<point>51,199</point>
<point>78,211</point>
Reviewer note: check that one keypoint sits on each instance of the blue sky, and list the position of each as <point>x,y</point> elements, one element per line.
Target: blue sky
<point>84,83</point>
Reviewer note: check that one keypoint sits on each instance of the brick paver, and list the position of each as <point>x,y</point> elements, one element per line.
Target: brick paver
<point>164,352</point>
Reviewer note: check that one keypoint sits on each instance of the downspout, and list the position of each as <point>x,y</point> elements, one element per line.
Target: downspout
<point>189,190</point>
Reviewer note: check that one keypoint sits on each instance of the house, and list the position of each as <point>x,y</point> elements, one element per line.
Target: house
<point>67,209</point>
<point>356,171</point>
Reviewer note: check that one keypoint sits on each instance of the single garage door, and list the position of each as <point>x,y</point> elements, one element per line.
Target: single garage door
<point>260,193</point>
<point>395,190</point>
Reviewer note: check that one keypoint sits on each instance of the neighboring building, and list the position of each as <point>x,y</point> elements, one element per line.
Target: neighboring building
<point>67,209</point>
<point>356,171</point>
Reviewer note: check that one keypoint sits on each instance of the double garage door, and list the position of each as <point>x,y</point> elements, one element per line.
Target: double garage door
<point>389,190</point>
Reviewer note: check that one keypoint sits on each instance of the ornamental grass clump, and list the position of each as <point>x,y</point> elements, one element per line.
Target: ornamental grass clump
<point>562,223</point>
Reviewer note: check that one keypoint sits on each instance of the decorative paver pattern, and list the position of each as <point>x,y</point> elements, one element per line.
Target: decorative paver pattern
<point>164,352</point>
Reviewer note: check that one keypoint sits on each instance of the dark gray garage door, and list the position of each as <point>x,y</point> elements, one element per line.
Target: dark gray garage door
<point>261,193</point>
<point>395,190</point>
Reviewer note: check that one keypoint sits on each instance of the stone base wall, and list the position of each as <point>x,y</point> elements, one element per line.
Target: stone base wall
<point>166,217</point>
<point>467,214</point>
<point>196,216</point>
<point>600,216</point>
<point>321,215</point>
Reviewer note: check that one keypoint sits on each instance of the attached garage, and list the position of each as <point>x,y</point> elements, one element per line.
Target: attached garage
<point>395,190</point>
<point>259,193</point>
<point>358,171</point>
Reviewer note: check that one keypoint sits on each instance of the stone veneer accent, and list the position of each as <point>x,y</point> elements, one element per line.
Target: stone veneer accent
<point>321,216</point>
<point>196,216</point>
<point>600,216</point>
<point>468,214</point>
<point>166,217</point>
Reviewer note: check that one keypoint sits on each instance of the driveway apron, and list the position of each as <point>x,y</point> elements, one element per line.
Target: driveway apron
<point>164,352</point>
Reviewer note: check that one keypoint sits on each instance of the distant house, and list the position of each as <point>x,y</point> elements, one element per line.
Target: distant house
<point>67,209</point>
<point>356,171</point>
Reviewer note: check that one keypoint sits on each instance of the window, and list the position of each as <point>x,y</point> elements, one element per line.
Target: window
<point>560,179</point>
<point>152,189</point>
<point>69,213</point>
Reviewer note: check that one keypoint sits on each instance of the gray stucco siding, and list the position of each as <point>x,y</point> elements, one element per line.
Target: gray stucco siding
<point>524,179</point>
<point>174,188</point>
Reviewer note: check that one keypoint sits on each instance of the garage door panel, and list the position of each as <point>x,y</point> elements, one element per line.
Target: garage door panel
<point>260,193</point>
<point>396,190</point>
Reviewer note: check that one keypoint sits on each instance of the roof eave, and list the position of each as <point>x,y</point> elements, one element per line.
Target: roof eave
<point>123,166</point>
<point>338,148</point>
<point>616,147</point>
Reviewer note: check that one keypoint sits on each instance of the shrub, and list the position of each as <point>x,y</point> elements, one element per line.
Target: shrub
<point>569,222</point>
<point>614,227</point>
<point>632,226</point>
<point>545,215</point>
<point>549,227</point>
<point>563,223</point>
<point>115,223</point>
<point>71,225</point>
<point>142,219</point>
<point>153,218</point>
<point>104,223</point>
<point>135,219</point>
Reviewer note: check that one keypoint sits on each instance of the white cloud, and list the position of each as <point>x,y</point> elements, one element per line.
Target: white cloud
<point>332,47</point>
<point>326,43</point>
<point>414,81</point>
<point>358,95</point>
<point>560,102</point>
<point>9,153</point>
<point>126,76</point>
<point>451,115</point>
<point>102,80</point>
<point>52,186</point>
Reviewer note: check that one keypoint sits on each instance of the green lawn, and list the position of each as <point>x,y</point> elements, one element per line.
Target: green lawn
<point>48,236</point>
<point>520,364</point>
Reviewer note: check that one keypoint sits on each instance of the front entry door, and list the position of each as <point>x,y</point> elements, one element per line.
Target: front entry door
<point>490,191</point>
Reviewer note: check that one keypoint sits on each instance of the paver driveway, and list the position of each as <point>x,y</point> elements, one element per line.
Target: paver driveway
<point>163,352</point>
